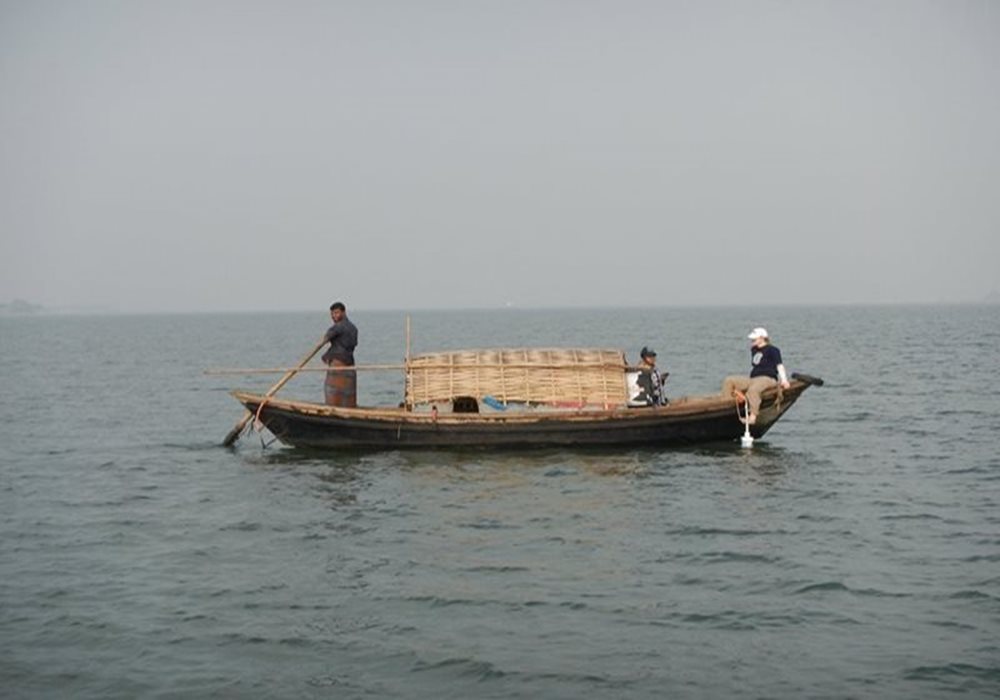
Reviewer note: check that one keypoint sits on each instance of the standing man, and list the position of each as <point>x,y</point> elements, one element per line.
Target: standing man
<point>766,370</point>
<point>341,386</point>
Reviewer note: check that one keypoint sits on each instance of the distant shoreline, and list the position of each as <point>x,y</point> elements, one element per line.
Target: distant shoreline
<point>20,307</point>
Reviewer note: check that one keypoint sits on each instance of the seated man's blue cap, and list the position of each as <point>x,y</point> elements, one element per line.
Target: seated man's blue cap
<point>646,352</point>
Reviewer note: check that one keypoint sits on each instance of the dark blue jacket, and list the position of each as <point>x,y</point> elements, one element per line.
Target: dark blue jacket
<point>765,361</point>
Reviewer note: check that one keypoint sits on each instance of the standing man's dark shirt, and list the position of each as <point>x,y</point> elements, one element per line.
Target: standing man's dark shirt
<point>343,338</point>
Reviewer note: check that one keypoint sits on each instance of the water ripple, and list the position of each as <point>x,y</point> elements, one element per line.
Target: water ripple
<point>853,553</point>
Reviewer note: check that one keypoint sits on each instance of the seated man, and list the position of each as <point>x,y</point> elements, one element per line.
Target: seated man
<point>649,383</point>
<point>766,370</point>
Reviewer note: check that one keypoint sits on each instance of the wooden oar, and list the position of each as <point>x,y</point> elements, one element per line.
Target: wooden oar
<point>278,370</point>
<point>416,367</point>
<point>238,428</point>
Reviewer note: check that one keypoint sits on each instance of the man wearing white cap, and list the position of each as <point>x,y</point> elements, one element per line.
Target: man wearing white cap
<point>766,371</point>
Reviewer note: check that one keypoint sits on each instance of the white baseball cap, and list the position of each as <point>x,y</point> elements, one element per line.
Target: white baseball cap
<point>758,332</point>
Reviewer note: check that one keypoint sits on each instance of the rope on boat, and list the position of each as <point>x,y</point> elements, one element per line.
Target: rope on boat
<point>740,398</point>
<point>257,425</point>
<point>743,416</point>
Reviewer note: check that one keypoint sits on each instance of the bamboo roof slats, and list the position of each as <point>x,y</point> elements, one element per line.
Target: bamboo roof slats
<point>571,376</point>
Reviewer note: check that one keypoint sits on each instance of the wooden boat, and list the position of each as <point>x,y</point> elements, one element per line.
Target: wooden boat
<point>517,398</point>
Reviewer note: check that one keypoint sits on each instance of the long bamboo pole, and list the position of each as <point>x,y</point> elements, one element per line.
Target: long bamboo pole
<point>276,370</point>
<point>414,367</point>
<point>406,370</point>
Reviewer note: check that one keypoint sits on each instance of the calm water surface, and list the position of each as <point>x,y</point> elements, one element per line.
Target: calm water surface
<point>854,553</point>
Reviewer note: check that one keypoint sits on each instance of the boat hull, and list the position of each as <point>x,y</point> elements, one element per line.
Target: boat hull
<point>686,421</point>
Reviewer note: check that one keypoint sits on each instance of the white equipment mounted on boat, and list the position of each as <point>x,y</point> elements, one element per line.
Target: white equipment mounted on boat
<point>747,440</point>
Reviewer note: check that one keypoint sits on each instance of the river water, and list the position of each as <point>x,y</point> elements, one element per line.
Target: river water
<point>852,553</point>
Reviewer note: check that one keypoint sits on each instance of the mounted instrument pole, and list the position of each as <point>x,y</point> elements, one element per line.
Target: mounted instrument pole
<point>747,439</point>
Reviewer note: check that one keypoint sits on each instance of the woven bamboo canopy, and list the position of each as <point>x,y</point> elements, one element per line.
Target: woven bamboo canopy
<point>577,376</point>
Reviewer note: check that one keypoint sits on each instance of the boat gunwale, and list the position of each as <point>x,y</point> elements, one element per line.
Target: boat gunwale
<point>683,407</point>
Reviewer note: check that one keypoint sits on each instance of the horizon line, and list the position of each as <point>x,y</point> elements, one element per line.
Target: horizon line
<point>42,310</point>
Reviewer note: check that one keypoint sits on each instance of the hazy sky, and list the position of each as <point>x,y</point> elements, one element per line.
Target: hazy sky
<point>189,155</point>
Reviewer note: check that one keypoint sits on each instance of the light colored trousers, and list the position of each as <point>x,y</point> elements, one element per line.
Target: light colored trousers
<point>751,387</point>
